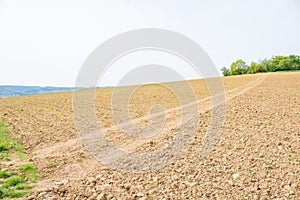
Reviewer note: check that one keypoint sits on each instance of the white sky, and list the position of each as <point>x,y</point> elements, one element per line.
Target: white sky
<point>46,42</point>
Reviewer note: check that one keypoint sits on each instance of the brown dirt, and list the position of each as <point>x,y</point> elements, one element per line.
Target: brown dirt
<point>257,157</point>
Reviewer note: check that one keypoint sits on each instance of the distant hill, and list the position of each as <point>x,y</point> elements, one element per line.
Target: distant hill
<point>10,91</point>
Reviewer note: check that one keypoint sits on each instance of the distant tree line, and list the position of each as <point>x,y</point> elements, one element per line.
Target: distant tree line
<point>276,63</point>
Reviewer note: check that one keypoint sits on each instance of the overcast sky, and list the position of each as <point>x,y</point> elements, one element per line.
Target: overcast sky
<point>46,42</point>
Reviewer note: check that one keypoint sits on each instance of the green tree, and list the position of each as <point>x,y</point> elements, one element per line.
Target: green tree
<point>225,71</point>
<point>294,62</point>
<point>253,68</point>
<point>276,59</point>
<point>263,66</point>
<point>238,67</point>
<point>284,64</point>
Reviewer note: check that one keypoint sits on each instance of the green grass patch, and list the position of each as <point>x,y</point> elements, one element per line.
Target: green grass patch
<point>6,174</point>
<point>7,145</point>
<point>14,186</point>
<point>11,193</point>
<point>17,182</point>
<point>30,172</point>
<point>24,187</point>
<point>13,181</point>
<point>279,71</point>
<point>28,167</point>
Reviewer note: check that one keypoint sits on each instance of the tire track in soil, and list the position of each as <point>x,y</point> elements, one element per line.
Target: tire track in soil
<point>133,144</point>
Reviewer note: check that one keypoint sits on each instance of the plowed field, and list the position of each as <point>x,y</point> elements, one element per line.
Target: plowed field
<point>256,157</point>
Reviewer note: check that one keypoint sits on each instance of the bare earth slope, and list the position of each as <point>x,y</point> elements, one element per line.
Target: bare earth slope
<point>257,157</point>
